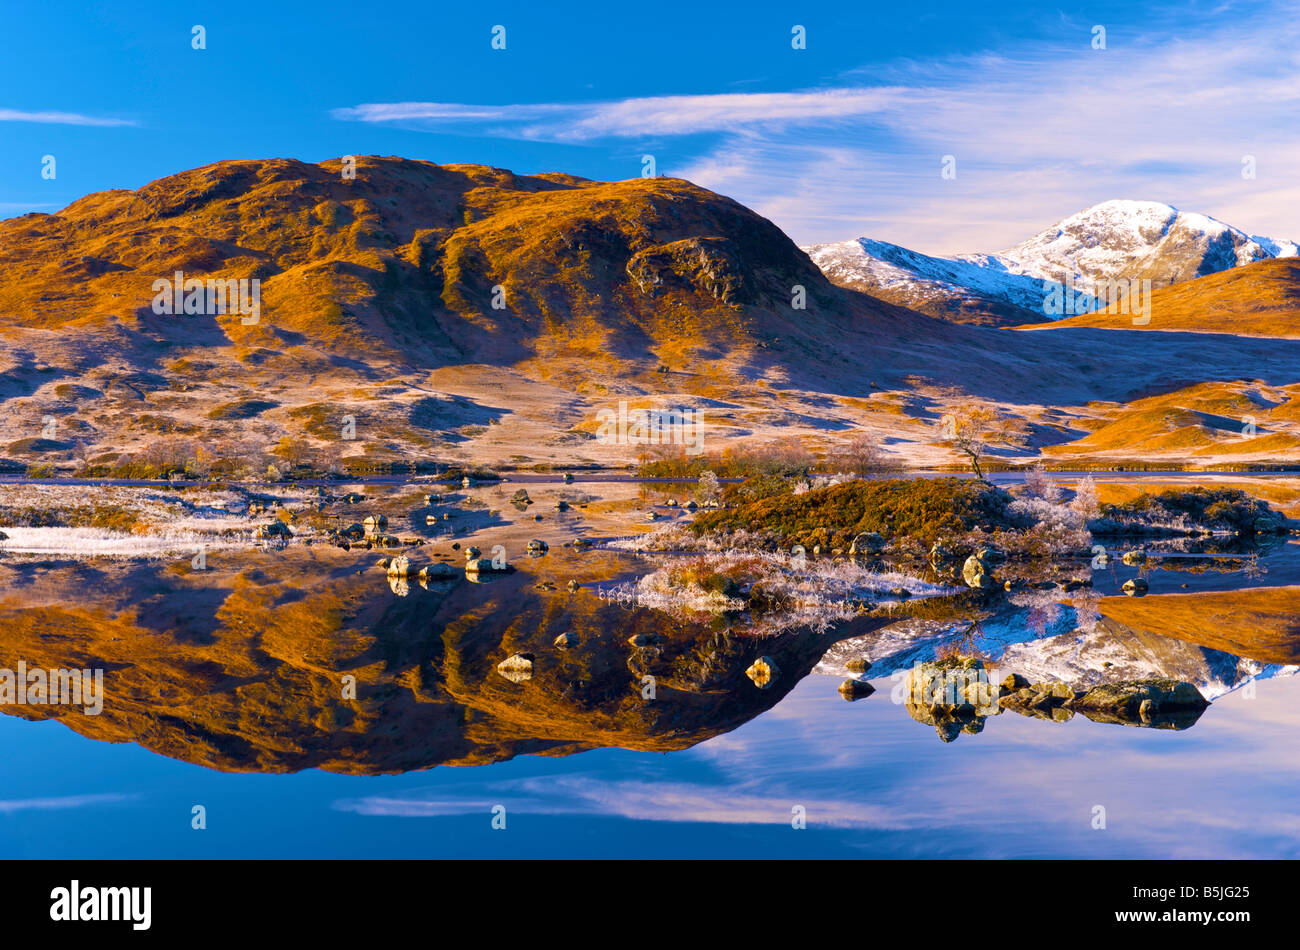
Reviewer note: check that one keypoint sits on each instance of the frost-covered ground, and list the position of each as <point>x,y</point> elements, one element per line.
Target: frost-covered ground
<point>807,592</point>
<point>1057,642</point>
<point>99,542</point>
<point>131,522</point>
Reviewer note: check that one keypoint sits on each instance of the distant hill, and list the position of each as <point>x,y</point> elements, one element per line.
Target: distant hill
<point>1260,299</point>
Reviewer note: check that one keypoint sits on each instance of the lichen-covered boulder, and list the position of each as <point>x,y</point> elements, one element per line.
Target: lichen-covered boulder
<point>977,572</point>
<point>868,542</point>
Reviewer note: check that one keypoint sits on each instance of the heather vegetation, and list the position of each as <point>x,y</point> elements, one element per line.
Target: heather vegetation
<point>924,509</point>
<point>861,455</point>
<point>1194,510</point>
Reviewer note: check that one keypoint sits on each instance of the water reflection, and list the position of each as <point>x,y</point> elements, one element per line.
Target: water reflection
<point>295,659</point>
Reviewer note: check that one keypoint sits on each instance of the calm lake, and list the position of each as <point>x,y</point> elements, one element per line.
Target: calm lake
<point>310,708</point>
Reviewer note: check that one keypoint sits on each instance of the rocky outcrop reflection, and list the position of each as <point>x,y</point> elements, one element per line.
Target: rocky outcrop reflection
<point>957,695</point>
<point>308,660</point>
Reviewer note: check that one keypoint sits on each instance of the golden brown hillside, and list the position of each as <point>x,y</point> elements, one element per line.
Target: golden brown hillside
<point>1259,299</point>
<point>402,261</point>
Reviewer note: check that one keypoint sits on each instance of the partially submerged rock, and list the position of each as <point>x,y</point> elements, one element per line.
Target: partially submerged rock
<point>566,640</point>
<point>1135,587</point>
<point>953,695</point>
<point>853,689</point>
<point>437,570</point>
<point>1163,703</point>
<point>375,523</point>
<point>1158,702</point>
<point>763,672</point>
<point>517,668</point>
<point>483,565</point>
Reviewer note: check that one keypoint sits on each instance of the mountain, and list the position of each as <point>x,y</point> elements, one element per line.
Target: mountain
<point>368,284</point>
<point>1142,240</point>
<point>401,262</point>
<point>467,314</point>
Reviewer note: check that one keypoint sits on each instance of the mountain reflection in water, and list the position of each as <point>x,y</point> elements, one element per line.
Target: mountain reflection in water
<point>247,668</point>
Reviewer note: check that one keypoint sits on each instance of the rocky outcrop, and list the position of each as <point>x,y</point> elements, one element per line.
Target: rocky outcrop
<point>1160,703</point>
<point>1146,702</point>
<point>953,695</point>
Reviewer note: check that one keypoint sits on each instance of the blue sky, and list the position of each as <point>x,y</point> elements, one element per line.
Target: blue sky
<point>841,139</point>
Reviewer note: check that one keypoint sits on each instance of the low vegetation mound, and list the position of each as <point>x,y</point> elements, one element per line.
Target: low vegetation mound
<point>1194,509</point>
<point>924,509</point>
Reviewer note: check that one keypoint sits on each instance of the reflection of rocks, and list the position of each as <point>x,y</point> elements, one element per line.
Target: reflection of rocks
<point>1135,587</point>
<point>953,695</point>
<point>1160,703</point>
<point>763,672</point>
<point>854,689</point>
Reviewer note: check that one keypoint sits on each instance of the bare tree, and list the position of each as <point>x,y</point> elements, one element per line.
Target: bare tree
<point>863,455</point>
<point>975,427</point>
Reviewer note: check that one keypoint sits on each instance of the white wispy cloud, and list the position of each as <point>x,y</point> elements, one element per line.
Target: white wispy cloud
<point>59,118</point>
<point>11,806</point>
<point>638,801</point>
<point>640,117</point>
<point>1036,133</point>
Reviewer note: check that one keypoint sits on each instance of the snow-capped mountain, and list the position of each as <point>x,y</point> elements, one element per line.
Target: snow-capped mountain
<point>1112,240</point>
